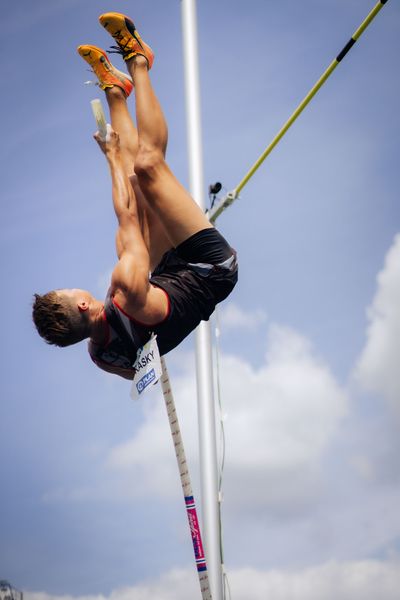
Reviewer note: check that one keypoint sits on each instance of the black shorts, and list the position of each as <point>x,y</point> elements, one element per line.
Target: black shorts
<point>205,246</point>
<point>209,254</point>
<point>196,275</point>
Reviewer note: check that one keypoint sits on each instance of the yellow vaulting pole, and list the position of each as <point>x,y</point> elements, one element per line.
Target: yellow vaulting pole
<point>235,193</point>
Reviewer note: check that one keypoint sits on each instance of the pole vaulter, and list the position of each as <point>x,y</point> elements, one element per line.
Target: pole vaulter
<point>160,229</point>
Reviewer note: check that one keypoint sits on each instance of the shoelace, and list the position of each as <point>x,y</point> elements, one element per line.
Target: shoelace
<point>118,50</point>
<point>123,53</point>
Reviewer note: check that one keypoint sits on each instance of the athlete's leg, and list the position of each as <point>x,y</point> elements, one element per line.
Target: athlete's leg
<point>153,231</point>
<point>118,87</point>
<point>121,122</point>
<point>180,215</point>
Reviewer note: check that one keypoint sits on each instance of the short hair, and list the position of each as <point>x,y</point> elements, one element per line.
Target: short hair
<point>58,321</point>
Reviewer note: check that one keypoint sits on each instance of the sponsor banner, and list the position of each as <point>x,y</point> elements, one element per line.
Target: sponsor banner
<point>147,368</point>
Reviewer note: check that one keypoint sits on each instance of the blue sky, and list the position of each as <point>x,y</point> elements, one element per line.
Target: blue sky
<point>91,503</point>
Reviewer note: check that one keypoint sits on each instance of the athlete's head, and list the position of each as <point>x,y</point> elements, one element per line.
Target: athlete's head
<point>62,317</point>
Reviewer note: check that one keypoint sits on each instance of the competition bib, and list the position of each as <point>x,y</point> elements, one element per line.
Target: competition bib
<point>147,368</point>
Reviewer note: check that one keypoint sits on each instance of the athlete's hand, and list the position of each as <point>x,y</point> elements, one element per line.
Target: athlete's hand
<point>109,145</point>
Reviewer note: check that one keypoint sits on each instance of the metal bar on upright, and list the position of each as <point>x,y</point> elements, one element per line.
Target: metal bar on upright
<point>205,396</point>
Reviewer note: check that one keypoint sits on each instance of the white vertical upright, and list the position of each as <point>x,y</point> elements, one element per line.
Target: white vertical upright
<point>205,399</point>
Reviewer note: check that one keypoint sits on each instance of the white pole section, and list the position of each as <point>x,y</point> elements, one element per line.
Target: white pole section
<point>205,400</point>
<point>98,113</point>
<point>186,484</point>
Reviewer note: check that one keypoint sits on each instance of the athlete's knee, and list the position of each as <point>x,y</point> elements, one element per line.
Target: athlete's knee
<point>148,162</point>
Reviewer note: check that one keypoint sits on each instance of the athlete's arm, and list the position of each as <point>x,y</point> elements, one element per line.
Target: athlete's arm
<point>130,279</point>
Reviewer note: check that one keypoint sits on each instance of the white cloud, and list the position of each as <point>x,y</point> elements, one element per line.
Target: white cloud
<point>284,414</point>
<point>176,585</point>
<point>378,367</point>
<point>149,455</point>
<point>357,580</point>
<point>364,580</point>
<point>280,421</point>
<point>234,317</point>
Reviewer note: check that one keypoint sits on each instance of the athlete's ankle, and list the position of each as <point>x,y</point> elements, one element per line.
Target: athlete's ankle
<point>115,93</point>
<point>139,61</point>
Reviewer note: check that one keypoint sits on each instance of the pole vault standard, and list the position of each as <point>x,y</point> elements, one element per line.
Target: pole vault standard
<point>206,409</point>
<point>204,372</point>
<point>234,194</point>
